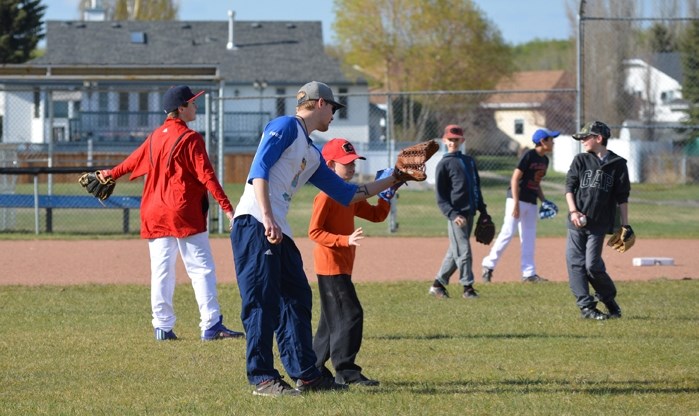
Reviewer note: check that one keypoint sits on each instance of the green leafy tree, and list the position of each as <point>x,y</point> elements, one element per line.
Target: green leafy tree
<point>412,45</point>
<point>137,9</point>
<point>542,55</point>
<point>121,10</point>
<point>20,29</point>
<point>420,44</point>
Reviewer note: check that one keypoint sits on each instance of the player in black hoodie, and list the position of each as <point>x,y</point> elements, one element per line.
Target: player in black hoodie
<point>596,185</point>
<point>458,190</point>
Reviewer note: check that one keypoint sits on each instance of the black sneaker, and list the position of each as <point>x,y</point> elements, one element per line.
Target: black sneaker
<point>469,292</point>
<point>592,313</point>
<point>613,309</point>
<point>275,387</point>
<point>487,274</point>
<point>534,279</point>
<point>361,381</point>
<point>322,383</point>
<point>439,292</point>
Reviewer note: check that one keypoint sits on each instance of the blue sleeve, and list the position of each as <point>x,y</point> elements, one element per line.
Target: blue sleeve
<point>327,181</point>
<point>278,135</point>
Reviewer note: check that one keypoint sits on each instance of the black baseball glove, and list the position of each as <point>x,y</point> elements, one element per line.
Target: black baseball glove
<point>96,184</point>
<point>485,229</point>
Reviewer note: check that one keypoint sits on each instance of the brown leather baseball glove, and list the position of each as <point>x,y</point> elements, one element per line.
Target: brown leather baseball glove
<point>623,239</point>
<point>410,165</point>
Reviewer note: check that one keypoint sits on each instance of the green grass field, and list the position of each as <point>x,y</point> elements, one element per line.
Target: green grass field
<point>655,211</point>
<point>519,349</point>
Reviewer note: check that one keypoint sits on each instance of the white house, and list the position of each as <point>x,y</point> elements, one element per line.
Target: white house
<point>658,87</point>
<point>103,80</point>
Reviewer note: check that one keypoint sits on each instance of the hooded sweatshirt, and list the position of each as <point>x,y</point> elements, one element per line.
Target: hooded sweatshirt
<point>598,186</point>
<point>458,186</point>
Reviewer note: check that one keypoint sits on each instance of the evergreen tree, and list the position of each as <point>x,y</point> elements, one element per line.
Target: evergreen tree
<point>661,39</point>
<point>20,29</point>
<point>690,69</point>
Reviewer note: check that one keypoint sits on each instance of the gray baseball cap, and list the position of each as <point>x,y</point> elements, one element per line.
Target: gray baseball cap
<point>315,90</point>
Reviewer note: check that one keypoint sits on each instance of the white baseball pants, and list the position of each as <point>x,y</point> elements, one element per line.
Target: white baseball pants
<point>199,263</point>
<point>525,225</point>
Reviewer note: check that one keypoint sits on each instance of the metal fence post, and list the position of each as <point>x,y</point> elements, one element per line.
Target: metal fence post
<point>36,204</point>
<point>220,152</point>
<point>207,137</point>
<point>49,101</point>
<point>393,214</point>
<point>207,122</point>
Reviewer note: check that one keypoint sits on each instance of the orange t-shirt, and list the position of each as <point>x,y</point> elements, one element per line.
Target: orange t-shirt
<point>330,227</point>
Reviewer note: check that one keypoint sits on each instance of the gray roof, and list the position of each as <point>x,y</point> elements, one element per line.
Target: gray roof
<point>281,52</point>
<point>670,63</point>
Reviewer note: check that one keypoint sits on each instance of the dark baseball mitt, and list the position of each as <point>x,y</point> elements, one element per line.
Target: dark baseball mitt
<point>485,229</point>
<point>410,165</point>
<point>96,184</point>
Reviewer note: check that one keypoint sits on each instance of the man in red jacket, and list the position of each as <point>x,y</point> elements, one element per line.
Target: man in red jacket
<point>174,207</point>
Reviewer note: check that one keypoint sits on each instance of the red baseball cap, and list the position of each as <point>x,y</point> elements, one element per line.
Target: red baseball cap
<point>453,131</point>
<point>341,151</point>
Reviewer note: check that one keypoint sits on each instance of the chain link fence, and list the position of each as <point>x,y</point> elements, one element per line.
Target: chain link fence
<point>498,126</point>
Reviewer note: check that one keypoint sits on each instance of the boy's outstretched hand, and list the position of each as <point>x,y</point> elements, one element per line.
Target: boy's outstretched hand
<point>357,235</point>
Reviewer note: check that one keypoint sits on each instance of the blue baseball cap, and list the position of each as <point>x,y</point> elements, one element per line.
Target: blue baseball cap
<point>541,134</point>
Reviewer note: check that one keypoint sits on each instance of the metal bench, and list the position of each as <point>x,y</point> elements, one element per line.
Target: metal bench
<point>50,202</point>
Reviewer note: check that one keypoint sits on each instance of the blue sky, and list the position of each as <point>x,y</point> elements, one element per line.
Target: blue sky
<point>518,21</point>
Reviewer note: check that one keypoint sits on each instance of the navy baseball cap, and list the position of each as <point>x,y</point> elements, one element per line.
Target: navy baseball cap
<point>593,127</point>
<point>541,134</point>
<point>178,96</point>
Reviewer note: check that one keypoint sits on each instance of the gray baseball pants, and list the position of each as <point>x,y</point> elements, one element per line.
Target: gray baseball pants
<point>458,255</point>
<point>586,268</point>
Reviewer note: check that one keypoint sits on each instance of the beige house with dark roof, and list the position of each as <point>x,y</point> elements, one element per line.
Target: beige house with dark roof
<point>530,100</point>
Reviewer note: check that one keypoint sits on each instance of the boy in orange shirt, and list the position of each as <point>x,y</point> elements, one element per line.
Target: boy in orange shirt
<point>339,334</point>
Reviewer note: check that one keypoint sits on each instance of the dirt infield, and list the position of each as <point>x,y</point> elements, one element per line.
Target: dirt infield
<point>58,262</point>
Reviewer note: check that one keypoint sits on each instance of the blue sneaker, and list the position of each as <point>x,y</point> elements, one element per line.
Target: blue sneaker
<point>163,335</point>
<point>218,331</point>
